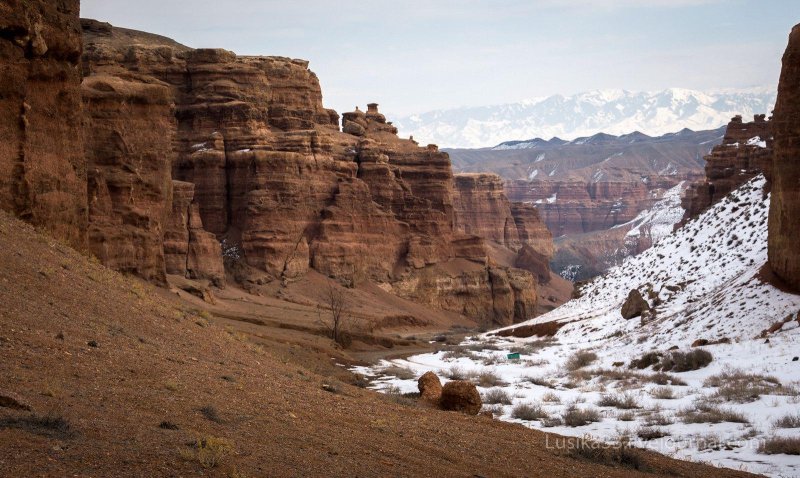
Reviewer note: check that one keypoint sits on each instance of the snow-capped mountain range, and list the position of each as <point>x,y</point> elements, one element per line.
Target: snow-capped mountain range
<point>568,117</point>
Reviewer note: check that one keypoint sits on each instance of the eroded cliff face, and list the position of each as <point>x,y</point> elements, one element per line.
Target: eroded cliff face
<point>482,209</point>
<point>256,160</point>
<point>42,167</point>
<point>784,214</point>
<point>576,207</point>
<point>745,151</point>
<point>163,153</point>
<point>129,131</point>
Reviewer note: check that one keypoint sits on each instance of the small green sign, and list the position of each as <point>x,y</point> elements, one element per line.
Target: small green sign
<point>514,356</point>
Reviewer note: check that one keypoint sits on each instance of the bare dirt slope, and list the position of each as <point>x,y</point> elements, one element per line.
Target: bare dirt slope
<point>121,380</point>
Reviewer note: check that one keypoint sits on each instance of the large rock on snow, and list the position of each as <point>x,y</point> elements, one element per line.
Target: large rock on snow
<point>461,396</point>
<point>784,213</point>
<point>634,305</point>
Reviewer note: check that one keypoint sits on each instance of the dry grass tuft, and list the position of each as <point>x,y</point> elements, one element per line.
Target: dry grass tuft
<point>529,412</point>
<point>780,446</point>
<point>580,359</point>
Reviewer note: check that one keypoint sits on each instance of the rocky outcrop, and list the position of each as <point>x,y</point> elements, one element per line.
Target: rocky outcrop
<point>42,167</point>
<point>784,214</point>
<point>461,396</point>
<point>189,250</point>
<point>482,209</point>
<point>634,305</point>
<point>430,388</point>
<point>531,229</point>
<point>129,129</point>
<point>745,151</point>
<point>492,295</point>
<point>188,148</point>
<point>357,240</point>
<point>577,207</point>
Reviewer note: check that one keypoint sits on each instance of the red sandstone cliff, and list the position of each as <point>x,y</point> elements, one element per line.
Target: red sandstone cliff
<point>784,214</point>
<point>165,151</point>
<point>745,151</point>
<point>267,169</point>
<point>42,168</point>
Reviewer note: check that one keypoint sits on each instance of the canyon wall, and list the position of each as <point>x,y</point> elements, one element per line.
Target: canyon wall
<point>42,167</point>
<point>784,214</point>
<point>745,151</point>
<point>258,162</point>
<point>164,154</point>
<point>482,209</point>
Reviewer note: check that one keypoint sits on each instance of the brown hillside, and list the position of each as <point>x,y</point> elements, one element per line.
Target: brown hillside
<point>113,358</point>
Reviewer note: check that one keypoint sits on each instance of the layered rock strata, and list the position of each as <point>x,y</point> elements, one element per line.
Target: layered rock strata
<point>745,151</point>
<point>784,214</point>
<point>166,151</point>
<point>42,167</point>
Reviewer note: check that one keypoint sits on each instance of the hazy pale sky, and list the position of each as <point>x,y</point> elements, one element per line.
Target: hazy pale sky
<point>417,55</point>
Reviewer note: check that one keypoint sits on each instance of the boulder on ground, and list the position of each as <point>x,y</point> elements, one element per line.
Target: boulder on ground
<point>634,305</point>
<point>430,388</point>
<point>461,396</point>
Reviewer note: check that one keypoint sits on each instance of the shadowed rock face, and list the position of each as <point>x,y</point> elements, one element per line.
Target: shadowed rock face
<point>129,131</point>
<point>745,151</point>
<point>784,214</point>
<point>42,167</point>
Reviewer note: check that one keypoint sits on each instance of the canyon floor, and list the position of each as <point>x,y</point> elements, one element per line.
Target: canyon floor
<point>104,375</point>
<point>710,300</point>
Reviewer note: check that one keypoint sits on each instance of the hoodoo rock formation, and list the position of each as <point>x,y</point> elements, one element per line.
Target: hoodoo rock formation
<point>784,214</point>
<point>745,151</point>
<point>42,167</point>
<point>165,152</point>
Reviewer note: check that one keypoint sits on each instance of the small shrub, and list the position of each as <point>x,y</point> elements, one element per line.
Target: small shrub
<point>661,378</point>
<point>394,394</point>
<point>651,433</point>
<point>52,424</point>
<point>704,412</point>
<point>208,451</point>
<point>496,409</point>
<point>613,455</point>
<point>540,381</point>
<point>551,422</point>
<point>457,373</point>
<point>402,373</point>
<point>740,387</point>
<point>626,416</point>
<point>658,419</point>
<point>678,361</point>
<point>780,446</point>
<point>580,359</point>
<point>496,396</point>
<point>551,397</point>
<point>488,379</point>
<point>623,402</point>
<point>647,360</point>
<point>529,412</point>
<point>168,425</point>
<point>211,413</point>
<point>459,352</point>
<point>662,393</point>
<point>788,421</point>
<point>576,417</point>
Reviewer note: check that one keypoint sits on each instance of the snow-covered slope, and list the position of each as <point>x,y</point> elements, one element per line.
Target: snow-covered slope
<point>569,117</point>
<point>703,283</point>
